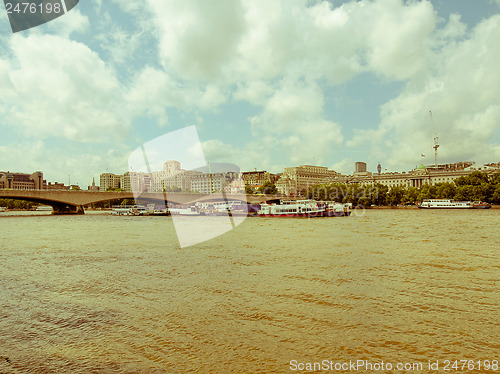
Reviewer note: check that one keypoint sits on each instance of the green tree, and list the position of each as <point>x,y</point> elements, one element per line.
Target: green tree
<point>446,190</point>
<point>395,195</point>
<point>495,178</point>
<point>114,189</point>
<point>475,178</point>
<point>269,188</point>
<point>380,197</point>
<point>411,195</point>
<point>464,193</point>
<point>249,190</point>
<point>17,204</point>
<point>427,192</point>
<point>495,198</point>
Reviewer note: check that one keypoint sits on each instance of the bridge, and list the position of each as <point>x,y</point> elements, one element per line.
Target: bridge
<point>73,201</point>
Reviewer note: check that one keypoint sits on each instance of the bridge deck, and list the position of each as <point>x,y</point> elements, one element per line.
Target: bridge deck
<point>82,198</point>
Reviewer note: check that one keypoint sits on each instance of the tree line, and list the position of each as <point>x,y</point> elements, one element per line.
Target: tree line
<point>268,188</point>
<point>477,186</point>
<point>13,204</point>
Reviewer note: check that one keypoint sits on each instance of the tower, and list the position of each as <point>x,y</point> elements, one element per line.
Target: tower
<point>360,167</point>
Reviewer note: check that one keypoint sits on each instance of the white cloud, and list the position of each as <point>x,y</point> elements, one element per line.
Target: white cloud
<point>293,124</point>
<point>344,166</point>
<point>98,5</point>
<point>72,22</point>
<point>153,91</point>
<point>279,56</point>
<point>37,155</point>
<point>197,37</point>
<point>462,92</point>
<point>399,36</point>
<point>254,92</point>
<point>290,107</point>
<point>237,42</point>
<point>255,154</point>
<point>57,87</point>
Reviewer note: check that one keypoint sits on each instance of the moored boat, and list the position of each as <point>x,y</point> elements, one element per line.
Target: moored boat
<point>129,210</point>
<point>481,205</point>
<point>190,211</point>
<point>334,209</point>
<point>304,208</point>
<point>452,204</point>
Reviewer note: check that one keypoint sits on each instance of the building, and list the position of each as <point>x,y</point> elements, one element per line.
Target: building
<point>258,178</point>
<point>57,186</point>
<point>109,181</point>
<point>297,180</point>
<point>236,187</point>
<point>171,177</point>
<point>360,167</point>
<point>20,181</point>
<point>133,181</point>
<point>421,175</point>
<point>93,188</point>
<point>212,182</point>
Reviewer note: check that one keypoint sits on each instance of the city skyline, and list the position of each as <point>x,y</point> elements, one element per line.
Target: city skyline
<point>268,85</point>
<point>172,175</point>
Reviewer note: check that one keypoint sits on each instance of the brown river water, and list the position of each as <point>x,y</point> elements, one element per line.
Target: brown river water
<point>106,294</point>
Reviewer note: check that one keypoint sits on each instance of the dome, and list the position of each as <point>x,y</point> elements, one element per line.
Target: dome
<point>421,167</point>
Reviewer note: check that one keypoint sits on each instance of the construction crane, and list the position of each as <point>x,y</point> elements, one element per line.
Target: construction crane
<point>436,140</point>
<point>211,179</point>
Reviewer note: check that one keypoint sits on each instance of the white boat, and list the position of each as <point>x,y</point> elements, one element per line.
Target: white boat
<point>44,208</point>
<point>129,210</point>
<point>3,209</point>
<point>304,208</point>
<point>452,204</point>
<point>334,209</point>
<point>222,208</point>
<point>191,211</point>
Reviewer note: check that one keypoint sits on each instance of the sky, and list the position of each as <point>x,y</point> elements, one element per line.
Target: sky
<point>268,84</point>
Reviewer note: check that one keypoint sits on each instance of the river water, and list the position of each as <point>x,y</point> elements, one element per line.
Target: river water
<point>106,294</point>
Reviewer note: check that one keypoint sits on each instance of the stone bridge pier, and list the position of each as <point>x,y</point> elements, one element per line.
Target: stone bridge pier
<point>64,209</point>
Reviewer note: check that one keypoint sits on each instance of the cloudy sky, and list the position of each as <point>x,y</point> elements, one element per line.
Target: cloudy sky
<point>268,83</point>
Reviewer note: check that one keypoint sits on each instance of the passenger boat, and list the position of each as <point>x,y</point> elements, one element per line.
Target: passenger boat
<point>452,204</point>
<point>129,210</point>
<point>223,208</point>
<point>3,209</point>
<point>304,208</point>
<point>191,211</point>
